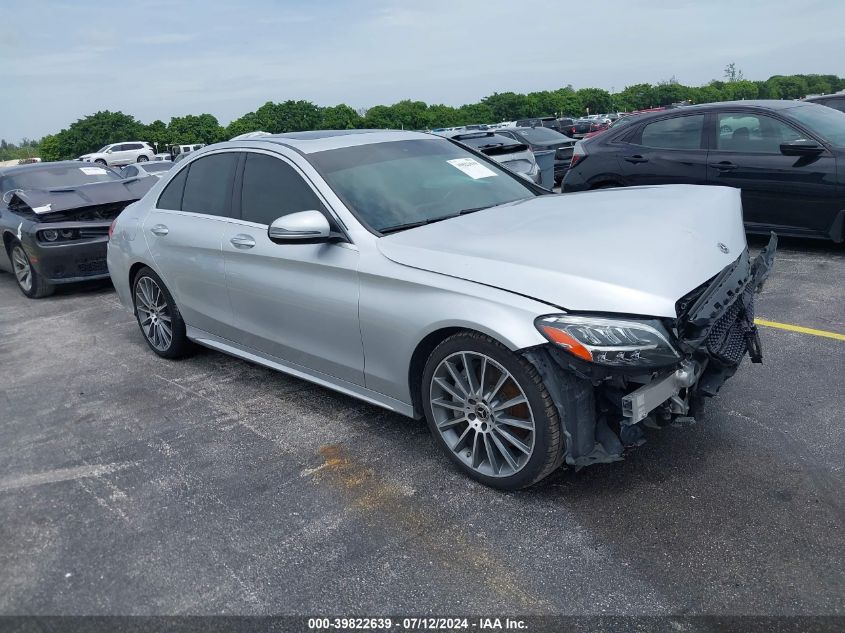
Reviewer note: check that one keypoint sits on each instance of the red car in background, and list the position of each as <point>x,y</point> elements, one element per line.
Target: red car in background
<point>624,117</point>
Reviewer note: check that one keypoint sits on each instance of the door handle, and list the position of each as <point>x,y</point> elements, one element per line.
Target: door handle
<point>242,241</point>
<point>725,165</point>
<point>159,229</point>
<point>636,158</point>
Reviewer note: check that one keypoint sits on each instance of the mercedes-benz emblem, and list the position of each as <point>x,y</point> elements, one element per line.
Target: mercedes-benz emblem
<point>723,248</point>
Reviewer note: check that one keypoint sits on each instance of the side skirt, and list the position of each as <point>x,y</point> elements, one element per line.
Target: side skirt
<point>324,380</point>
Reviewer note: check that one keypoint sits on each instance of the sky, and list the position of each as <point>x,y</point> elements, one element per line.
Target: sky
<point>63,59</point>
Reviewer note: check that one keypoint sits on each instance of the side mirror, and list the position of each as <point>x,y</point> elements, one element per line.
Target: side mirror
<point>303,226</point>
<point>109,151</point>
<point>801,147</point>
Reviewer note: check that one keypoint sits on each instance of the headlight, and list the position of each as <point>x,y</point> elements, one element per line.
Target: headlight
<point>613,342</point>
<point>50,235</point>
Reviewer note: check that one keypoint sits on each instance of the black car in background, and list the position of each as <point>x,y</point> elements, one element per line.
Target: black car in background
<point>559,125</point>
<point>55,219</point>
<point>835,101</point>
<point>787,157</point>
<point>541,140</point>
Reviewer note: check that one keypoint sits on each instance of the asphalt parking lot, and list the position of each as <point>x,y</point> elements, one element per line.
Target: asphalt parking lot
<point>134,485</point>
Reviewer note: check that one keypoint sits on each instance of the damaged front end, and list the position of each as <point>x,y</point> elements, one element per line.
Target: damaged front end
<point>609,377</point>
<point>65,231</point>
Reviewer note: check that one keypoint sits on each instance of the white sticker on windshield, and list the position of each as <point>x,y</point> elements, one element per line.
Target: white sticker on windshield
<point>93,171</point>
<point>472,168</point>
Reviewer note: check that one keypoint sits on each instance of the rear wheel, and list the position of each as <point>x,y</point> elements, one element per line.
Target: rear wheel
<point>158,317</point>
<point>489,410</point>
<point>31,283</point>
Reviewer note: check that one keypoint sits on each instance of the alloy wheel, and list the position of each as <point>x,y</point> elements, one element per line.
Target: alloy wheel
<point>482,414</point>
<point>153,313</point>
<point>22,267</point>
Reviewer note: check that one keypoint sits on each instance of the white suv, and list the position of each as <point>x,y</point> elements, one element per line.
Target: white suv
<point>121,154</point>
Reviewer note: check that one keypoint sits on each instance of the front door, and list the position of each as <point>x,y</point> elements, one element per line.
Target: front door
<point>295,302</point>
<point>798,193</point>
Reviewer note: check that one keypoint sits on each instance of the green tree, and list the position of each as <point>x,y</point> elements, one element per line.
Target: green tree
<point>247,123</point>
<point>594,100</point>
<point>340,117</point>
<point>790,86</point>
<point>636,97</point>
<point>669,92</point>
<point>471,113</point>
<point>50,148</point>
<point>157,134</point>
<point>202,128</point>
<point>507,106</point>
<point>440,115</point>
<point>96,130</point>
<point>741,89</point>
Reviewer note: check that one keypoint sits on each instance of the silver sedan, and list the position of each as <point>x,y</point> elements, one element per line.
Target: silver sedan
<point>530,329</point>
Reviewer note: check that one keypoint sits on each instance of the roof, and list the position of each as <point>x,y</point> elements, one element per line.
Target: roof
<point>321,140</point>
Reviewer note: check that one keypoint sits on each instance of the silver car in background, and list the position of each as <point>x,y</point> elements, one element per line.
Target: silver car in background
<point>530,329</point>
<point>514,154</point>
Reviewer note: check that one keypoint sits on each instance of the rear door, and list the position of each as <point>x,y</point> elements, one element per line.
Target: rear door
<point>294,301</point>
<point>797,193</point>
<point>669,150</point>
<point>184,233</point>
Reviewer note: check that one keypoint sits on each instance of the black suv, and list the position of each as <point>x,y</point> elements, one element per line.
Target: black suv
<point>782,154</point>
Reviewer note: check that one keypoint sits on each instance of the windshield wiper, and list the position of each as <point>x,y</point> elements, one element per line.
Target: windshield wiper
<point>411,225</point>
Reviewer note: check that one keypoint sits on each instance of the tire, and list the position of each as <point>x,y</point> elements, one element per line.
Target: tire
<point>154,305</point>
<point>100,161</point>
<point>142,159</point>
<point>29,280</point>
<point>474,429</point>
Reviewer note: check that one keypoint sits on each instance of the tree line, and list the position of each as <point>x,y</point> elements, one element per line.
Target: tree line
<point>99,129</point>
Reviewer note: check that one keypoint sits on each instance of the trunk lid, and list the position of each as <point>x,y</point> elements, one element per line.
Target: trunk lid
<point>634,250</point>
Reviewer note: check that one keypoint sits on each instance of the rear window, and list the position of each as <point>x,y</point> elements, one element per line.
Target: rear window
<point>58,176</point>
<point>541,135</point>
<point>171,197</point>
<point>208,188</point>
<point>683,132</point>
<point>157,166</point>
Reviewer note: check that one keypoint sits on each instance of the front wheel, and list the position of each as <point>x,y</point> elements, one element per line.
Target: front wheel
<point>142,159</point>
<point>158,317</point>
<point>489,410</point>
<point>100,161</point>
<point>31,283</point>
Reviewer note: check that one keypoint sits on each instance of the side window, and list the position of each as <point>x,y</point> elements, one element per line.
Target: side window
<point>753,133</point>
<point>171,197</point>
<point>272,188</point>
<point>116,148</point>
<point>681,132</point>
<point>129,172</point>
<point>132,146</point>
<point>208,189</point>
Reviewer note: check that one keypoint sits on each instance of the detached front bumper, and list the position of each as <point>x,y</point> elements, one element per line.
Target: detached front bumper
<point>603,409</point>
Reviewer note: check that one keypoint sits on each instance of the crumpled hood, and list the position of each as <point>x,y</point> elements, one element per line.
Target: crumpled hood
<point>42,201</point>
<point>633,250</point>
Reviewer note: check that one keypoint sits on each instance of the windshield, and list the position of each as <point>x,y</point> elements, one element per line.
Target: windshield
<point>102,149</point>
<point>541,135</point>
<point>57,177</point>
<point>406,182</point>
<point>826,122</point>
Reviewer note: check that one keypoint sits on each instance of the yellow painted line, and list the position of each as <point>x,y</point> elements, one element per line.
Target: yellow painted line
<point>801,329</point>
